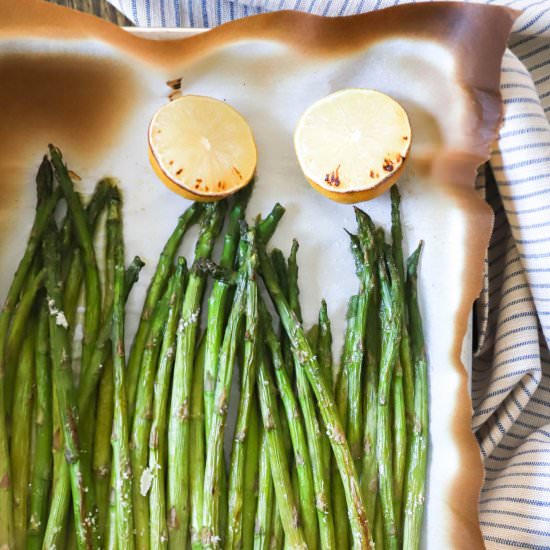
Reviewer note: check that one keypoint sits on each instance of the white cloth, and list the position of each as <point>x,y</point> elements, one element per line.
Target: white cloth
<point>511,371</point>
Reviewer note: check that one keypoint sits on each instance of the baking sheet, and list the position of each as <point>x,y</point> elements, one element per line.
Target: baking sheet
<point>100,87</point>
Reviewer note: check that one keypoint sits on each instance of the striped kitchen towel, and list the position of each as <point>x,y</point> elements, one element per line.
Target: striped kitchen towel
<point>511,369</point>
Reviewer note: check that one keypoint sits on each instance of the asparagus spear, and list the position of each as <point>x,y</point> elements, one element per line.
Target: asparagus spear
<point>327,406</point>
<point>281,269</point>
<point>156,287</point>
<point>56,526</point>
<point>66,400</point>
<point>379,525</point>
<point>178,422</point>
<point>418,445</point>
<point>41,474</point>
<point>120,436</point>
<point>19,329</point>
<point>251,473</point>
<point>142,420</point>
<point>341,522</point>
<point>44,211</point>
<point>263,525</point>
<point>391,327</point>
<point>111,541</point>
<point>21,437</point>
<point>306,492</point>
<point>234,534</point>
<point>85,241</point>
<point>369,473</point>
<point>286,503</point>
<point>75,274</point>
<point>404,349</point>
<point>399,441</point>
<point>102,454</point>
<point>218,304</point>
<point>404,381</point>
<point>267,226</point>
<point>102,458</point>
<point>157,437</point>
<point>210,534</point>
<point>312,424</point>
<point>362,251</point>
<point>197,455</point>
<point>277,540</point>
<point>324,353</point>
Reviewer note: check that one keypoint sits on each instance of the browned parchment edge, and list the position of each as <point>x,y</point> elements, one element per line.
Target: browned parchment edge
<point>476,33</point>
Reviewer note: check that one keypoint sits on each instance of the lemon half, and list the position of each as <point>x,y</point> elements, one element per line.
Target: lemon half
<point>202,148</point>
<point>352,144</point>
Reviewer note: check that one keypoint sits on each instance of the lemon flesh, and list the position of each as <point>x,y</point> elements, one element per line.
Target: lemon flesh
<point>352,144</point>
<point>201,147</point>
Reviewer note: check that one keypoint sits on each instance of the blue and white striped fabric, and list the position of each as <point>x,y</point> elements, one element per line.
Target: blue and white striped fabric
<point>511,371</point>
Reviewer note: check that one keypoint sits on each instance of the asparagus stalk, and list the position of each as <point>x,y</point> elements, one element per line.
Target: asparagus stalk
<point>41,474</point>
<point>56,526</point>
<point>75,274</point>
<point>44,211</point>
<point>178,422</point>
<point>327,406</point>
<point>391,327</point>
<point>277,540</point>
<point>281,269</point>
<point>157,437</point>
<point>85,241</point>
<point>263,525</point>
<point>251,473</point>
<point>20,328</point>
<point>210,533</point>
<point>341,522</point>
<point>324,353</point>
<point>197,454</point>
<point>234,534</point>
<point>102,454</point>
<point>405,346</point>
<point>21,437</point>
<point>120,435</point>
<point>141,426</point>
<point>313,426</point>
<point>379,525</point>
<point>415,485</point>
<point>66,400</point>
<point>267,226</point>
<point>218,304</point>
<point>362,251</point>
<point>369,473</point>
<point>399,441</point>
<point>324,343</point>
<point>156,287</point>
<point>302,462</point>
<point>404,381</point>
<point>285,500</point>
<point>111,541</point>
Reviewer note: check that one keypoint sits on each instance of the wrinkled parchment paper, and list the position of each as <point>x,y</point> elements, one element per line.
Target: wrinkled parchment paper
<point>92,88</point>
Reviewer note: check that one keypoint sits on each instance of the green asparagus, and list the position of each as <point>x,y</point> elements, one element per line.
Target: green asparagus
<point>415,485</point>
<point>178,422</point>
<point>157,437</point>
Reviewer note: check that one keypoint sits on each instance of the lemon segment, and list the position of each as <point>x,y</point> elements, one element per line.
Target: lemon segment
<point>202,148</point>
<point>352,144</point>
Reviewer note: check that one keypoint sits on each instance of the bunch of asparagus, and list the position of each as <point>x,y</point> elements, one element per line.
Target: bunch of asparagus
<point>131,451</point>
